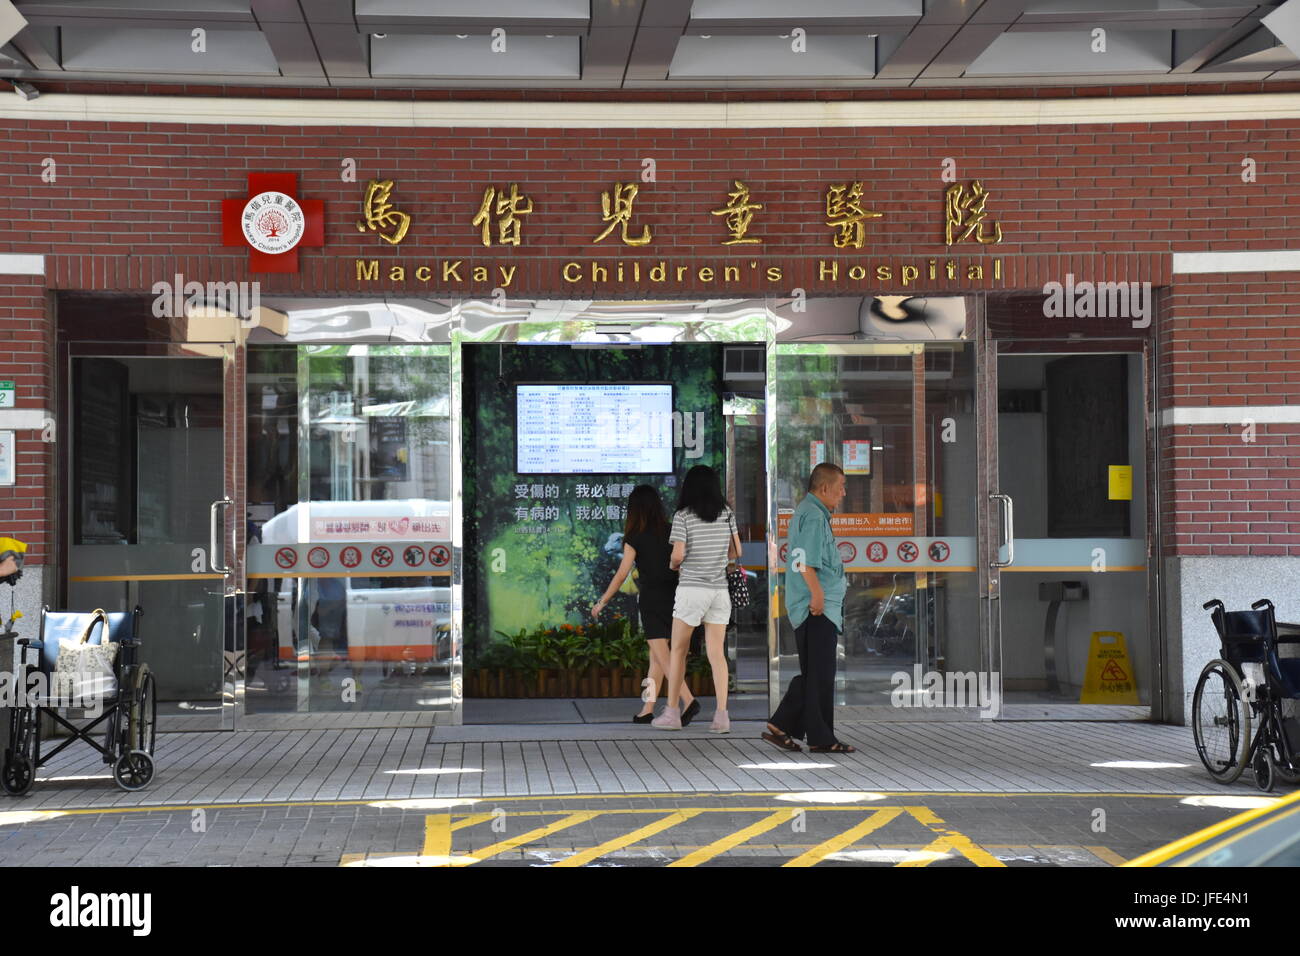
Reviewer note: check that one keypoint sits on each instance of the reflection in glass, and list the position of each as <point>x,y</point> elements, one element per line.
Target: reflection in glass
<point>349,472</point>
<point>899,418</point>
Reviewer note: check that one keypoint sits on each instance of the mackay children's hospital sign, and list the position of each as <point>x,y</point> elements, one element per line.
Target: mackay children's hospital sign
<point>273,222</point>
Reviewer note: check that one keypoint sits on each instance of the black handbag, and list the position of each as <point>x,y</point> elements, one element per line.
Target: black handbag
<point>737,585</point>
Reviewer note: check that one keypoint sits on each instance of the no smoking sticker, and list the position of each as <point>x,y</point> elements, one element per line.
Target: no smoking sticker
<point>350,557</point>
<point>413,556</point>
<point>907,551</point>
<point>286,557</point>
<point>382,556</point>
<point>318,557</point>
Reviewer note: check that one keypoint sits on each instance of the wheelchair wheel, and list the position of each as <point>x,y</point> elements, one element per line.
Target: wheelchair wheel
<point>142,731</point>
<point>1285,773</point>
<point>1221,721</point>
<point>18,774</point>
<point>1264,767</point>
<point>133,770</point>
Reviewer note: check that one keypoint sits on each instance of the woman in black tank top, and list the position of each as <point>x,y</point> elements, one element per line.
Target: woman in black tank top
<point>645,544</point>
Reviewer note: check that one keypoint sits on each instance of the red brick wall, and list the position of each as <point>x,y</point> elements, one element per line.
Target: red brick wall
<point>1232,340</point>
<point>135,203</point>
<point>148,195</point>
<point>26,359</point>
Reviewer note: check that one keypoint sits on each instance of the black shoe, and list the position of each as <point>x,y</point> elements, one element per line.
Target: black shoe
<point>689,713</point>
<point>643,718</point>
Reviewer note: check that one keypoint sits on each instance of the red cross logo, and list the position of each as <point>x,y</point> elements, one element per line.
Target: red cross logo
<point>272,222</point>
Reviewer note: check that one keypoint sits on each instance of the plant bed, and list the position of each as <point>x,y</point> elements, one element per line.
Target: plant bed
<point>592,660</point>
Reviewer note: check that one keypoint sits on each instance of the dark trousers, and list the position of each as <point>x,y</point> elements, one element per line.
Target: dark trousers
<point>807,710</point>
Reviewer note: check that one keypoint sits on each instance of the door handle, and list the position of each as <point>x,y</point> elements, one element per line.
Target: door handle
<point>214,536</point>
<point>1007,523</point>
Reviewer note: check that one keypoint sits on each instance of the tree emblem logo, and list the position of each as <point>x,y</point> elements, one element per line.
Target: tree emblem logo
<point>272,222</point>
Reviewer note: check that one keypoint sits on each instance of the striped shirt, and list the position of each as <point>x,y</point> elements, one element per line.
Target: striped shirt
<point>706,548</point>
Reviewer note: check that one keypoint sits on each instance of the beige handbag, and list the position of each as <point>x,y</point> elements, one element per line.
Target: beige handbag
<point>83,668</point>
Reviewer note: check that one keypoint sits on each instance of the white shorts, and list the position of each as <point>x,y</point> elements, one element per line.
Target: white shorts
<point>712,605</point>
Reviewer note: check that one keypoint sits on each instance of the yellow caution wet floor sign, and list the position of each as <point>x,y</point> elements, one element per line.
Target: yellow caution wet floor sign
<point>1110,678</point>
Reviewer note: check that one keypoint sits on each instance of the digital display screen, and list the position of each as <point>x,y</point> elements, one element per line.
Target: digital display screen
<point>614,429</point>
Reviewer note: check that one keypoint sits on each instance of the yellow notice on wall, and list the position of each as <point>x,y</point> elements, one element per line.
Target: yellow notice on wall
<point>1110,678</point>
<point>1121,482</point>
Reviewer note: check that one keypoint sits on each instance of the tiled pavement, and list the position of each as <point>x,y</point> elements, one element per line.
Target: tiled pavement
<point>917,793</point>
<point>387,763</point>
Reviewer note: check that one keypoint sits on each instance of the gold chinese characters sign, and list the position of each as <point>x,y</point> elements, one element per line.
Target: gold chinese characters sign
<point>965,215</point>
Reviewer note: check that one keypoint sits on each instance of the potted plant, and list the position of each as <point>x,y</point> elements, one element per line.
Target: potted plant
<point>571,651</point>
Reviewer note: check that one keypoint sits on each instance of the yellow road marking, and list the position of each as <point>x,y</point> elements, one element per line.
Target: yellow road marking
<point>850,836</point>
<point>936,849</point>
<point>474,819</point>
<point>518,841</point>
<point>437,835</point>
<point>740,836</point>
<point>1191,841</point>
<point>627,839</point>
<point>1107,854</point>
<point>947,840</point>
<point>1232,838</point>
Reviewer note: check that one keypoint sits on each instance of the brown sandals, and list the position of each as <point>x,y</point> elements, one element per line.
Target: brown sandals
<point>835,748</point>
<point>784,741</point>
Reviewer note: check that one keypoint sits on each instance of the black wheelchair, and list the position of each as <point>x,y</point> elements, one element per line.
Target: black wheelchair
<point>128,699</point>
<point>1250,683</point>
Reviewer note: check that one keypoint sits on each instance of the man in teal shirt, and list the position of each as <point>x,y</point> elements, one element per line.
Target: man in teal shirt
<point>814,600</point>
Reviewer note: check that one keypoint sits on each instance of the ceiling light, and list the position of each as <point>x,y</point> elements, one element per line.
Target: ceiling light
<point>25,90</point>
<point>380,36</point>
<point>462,36</point>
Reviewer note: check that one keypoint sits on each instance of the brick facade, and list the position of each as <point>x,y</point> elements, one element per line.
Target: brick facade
<point>135,203</point>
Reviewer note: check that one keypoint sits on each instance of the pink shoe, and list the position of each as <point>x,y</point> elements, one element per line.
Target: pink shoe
<point>721,723</point>
<point>670,719</point>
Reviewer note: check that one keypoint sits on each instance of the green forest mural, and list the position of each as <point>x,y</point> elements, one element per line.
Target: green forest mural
<point>540,549</point>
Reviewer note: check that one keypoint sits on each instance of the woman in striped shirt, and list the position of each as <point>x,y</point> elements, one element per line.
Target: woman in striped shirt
<point>704,539</point>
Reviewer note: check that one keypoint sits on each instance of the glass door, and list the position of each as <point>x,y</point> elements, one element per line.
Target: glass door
<point>900,420</point>
<point>1070,529</point>
<point>151,517</point>
<point>349,505</point>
